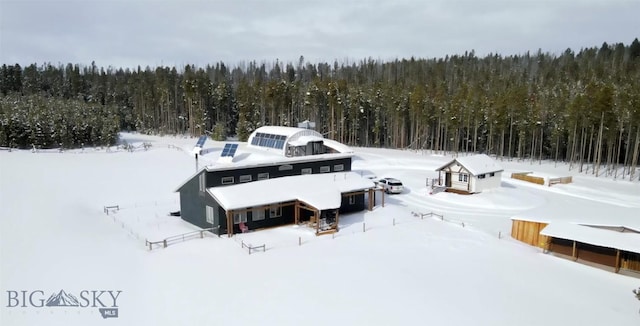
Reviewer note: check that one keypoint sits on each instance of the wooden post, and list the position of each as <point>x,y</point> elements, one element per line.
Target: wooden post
<point>617,260</point>
<point>299,241</point>
<point>382,193</point>
<point>296,214</point>
<point>363,227</point>
<point>575,252</point>
<point>229,224</point>
<point>394,221</point>
<point>164,242</point>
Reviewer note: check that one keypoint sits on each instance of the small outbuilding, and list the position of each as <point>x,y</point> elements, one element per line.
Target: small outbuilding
<point>470,174</point>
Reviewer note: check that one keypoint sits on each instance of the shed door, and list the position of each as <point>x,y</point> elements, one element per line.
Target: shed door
<point>447,179</point>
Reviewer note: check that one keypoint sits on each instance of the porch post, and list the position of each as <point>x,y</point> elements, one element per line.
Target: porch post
<point>229,224</point>
<point>617,260</point>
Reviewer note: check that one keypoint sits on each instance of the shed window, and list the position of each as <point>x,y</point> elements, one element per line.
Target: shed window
<point>257,215</point>
<point>227,180</point>
<point>275,211</point>
<point>324,169</point>
<point>352,200</point>
<point>492,174</point>
<point>210,215</point>
<point>263,176</point>
<point>463,177</point>
<point>239,218</point>
<point>245,178</point>
<point>306,171</point>
<point>481,176</point>
<point>338,167</point>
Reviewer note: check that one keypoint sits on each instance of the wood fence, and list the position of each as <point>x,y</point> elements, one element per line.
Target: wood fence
<point>528,178</point>
<point>178,238</point>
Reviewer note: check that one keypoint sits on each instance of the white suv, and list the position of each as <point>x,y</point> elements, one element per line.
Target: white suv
<point>391,185</point>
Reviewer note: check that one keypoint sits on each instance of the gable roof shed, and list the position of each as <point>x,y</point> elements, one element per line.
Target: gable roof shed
<point>475,164</point>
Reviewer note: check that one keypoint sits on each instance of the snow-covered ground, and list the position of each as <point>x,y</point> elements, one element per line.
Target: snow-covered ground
<point>390,266</point>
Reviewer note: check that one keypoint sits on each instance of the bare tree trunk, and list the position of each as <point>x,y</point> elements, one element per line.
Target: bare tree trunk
<point>626,155</point>
<point>541,141</point>
<point>590,149</point>
<point>533,144</point>
<point>571,148</point>
<point>475,136</point>
<point>634,159</point>
<point>502,144</point>
<point>616,157</point>
<point>555,160</point>
<point>599,146</point>
<point>510,136</point>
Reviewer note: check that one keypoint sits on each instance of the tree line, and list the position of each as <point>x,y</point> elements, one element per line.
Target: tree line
<point>580,107</point>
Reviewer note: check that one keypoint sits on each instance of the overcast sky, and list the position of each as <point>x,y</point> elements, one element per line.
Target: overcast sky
<point>128,33</point>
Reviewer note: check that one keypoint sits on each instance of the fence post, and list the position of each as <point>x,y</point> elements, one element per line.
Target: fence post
<point>394,221</point>
<point>363,227</point>
<point>164,242</point>
<point>299,241</point>
<point>499,234</point>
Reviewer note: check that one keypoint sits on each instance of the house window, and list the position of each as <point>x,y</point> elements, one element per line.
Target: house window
<point>463,177</point>
<point>257,215</point>
<point>285,167</point>
<point>210,215</point>
<point>338,167</point>
<point>325,169</point>
<point>201,178</point>
<point>492,174</point>
<point>306,171</point>
<point>245,178</point>
<point>352,200</point>
<point>275,211</point>
<point>481,176</point>
<point>226,180</point>
<point>460,177</point>
<point>239,218</point>
<point>263,176</point>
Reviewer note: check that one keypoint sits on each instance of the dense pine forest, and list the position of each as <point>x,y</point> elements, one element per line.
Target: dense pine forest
<point>579,107</point>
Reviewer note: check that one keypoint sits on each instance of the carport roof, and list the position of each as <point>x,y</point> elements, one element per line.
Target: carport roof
<point>594,236</point>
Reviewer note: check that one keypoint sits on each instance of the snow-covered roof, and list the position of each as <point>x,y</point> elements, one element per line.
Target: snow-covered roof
<point>599,237</point>
<point>322,191</point>
<point>337,146</point>
<point>588,212</point>
<point>303,140</point>
<point>248,157</point>
<point>476,164</point>
<point>276,138</point>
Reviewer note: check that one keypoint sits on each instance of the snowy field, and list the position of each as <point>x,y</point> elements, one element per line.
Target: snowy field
<point>389,266</point>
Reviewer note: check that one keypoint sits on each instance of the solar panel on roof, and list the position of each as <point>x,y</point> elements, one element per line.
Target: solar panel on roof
<point>229,150</point>
<point>201,141</point>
